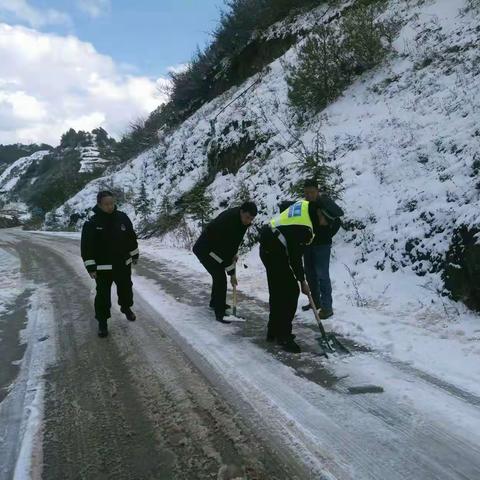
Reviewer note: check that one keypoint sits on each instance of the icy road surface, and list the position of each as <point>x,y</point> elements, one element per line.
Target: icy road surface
<point>177,395</point>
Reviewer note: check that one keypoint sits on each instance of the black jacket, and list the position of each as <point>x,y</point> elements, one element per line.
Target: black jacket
<point>297,238</point>
<point>221,239</point>
<point>325,233</point>
<point>108,240</point>
<point>332,212</point>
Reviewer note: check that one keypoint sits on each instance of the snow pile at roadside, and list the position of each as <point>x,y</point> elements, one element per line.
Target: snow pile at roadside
<point>21,411</point>
<point>29,388</point>
<point>11,285</point>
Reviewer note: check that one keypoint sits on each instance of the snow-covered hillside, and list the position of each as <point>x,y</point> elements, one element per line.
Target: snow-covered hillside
<point>34,184</point>
<point>14,172</point>
<point>405,138</point>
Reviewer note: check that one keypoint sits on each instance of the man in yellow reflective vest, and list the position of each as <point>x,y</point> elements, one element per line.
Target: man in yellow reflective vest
<point>282,243</point>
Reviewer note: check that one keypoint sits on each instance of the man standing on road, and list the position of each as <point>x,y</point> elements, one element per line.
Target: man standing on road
<point>281,248</point>
<point>109,247</point>
<point>317,254</point>
<point>217,249</point>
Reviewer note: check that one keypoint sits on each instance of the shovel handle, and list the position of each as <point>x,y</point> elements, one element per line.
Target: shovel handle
<point>317,318</point>
<point>234,306</point>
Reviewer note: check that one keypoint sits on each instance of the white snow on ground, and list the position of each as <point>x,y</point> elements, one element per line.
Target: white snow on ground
<point>328,430</point>
<point>22,409</point>
<point>10,279</point>
<point>325,429</point>
<point>394,313</point>
<point>399,315</point>
<point>40,338</point>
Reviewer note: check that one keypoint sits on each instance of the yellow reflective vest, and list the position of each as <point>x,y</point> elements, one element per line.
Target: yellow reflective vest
<point>296,214</point>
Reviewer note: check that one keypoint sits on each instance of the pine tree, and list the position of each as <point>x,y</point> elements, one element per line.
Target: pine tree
<point>143,203</point>
<point>198,204</point>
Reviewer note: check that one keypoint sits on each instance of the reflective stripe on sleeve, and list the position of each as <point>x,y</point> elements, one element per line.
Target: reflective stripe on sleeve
<point>230,268</point>
<point>89,263</point>
<point>280,236</point>
<point>128,262</point>
<point>104,267</point>
<point>135,252</point>
<point>216,257</point>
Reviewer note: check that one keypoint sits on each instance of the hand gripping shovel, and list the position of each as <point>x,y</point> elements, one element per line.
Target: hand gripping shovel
<point>328,341</point>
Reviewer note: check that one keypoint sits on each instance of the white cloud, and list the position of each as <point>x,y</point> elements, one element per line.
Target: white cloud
<point>94,8</point>
<point>49,83</point>
<point>23,11</point>
<point>23,107</point>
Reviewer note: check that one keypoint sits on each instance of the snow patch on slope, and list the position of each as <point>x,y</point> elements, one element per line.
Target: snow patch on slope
<point>10,177</point>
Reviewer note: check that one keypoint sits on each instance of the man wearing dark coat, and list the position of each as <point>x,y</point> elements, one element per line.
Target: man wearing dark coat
<point>109,247</point>
<point>317,254</point>
<point>217,249</point>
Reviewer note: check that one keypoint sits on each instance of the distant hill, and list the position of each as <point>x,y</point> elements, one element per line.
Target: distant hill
<point>45,178</point>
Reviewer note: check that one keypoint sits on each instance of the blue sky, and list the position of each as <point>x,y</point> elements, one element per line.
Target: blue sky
<point>91,63</point>
<point>149,35</point>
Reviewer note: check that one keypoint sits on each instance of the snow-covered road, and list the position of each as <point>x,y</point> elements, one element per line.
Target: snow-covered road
<point>134,407</point>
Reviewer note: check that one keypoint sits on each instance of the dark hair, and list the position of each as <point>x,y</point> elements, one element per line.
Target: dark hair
<point>103,194</point>
<point>249,207</point>
<point>311,182</point>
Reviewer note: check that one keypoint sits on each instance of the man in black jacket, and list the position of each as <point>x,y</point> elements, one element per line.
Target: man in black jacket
<point>109,247</point>
<point>282,244</point>
<point>317,254</point>
<point>217,248</point>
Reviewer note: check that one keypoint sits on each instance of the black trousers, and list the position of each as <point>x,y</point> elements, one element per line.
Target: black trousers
<point>122,277</point>
<point>284,292</point>
<point>218,297</point>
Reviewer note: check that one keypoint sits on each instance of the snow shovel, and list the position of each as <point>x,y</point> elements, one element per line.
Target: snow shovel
<point>328,341</point>
<point>234,307</point>
<point>234,302</point>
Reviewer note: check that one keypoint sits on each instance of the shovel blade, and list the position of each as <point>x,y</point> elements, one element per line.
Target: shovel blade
<point>323,351</point>
<point>330,343</point>
<point>336,344</point>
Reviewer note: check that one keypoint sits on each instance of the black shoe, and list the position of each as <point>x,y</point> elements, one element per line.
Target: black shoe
<point>129,314</point>
<point>270,337</point>
<point>219,318</point>
<point>324,314</point>
<point>102,329</point>
<point>289,345</point>
<point>306,307</point>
